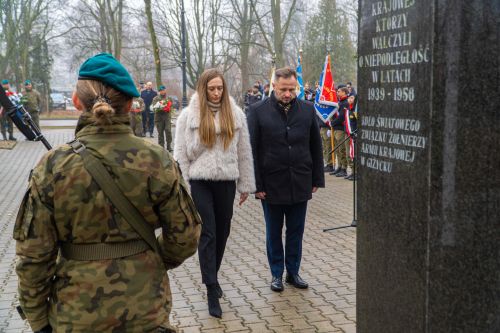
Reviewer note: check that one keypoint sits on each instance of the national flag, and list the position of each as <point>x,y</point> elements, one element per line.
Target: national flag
<point>348,130</point>
<point>300,80</point>
<point>325,111</point>
<point>328,94</point>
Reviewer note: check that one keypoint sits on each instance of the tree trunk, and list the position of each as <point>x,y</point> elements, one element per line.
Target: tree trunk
<point>102,27</point>
<point>154,41</point>
<point>278,38</point>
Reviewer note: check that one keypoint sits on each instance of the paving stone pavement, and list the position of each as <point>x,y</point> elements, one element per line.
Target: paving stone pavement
<point>328,263</point>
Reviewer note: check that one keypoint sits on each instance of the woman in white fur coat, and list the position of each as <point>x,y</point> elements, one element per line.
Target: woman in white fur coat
<point>212,146</point>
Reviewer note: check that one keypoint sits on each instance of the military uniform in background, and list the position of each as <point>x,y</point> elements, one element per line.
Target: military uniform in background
<point>6,124</point>
<point>162,106</point>
<point>32,102</point>
<point>136,116</point>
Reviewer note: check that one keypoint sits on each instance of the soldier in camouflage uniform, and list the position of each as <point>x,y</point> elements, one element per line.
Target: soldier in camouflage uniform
<point>32,102</point>
<point>136,116</point>
<point>162,106</point>
<point>64,207</point>
<point>6,124</point>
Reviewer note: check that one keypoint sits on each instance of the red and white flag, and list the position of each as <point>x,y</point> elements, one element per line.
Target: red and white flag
<point>328,94</point>
<point>347,126</point>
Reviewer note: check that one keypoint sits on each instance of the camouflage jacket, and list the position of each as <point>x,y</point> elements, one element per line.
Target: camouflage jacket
<point>64,204</point>
<point>161,104</point>
<point>32,100</point>
<point>137,105</point>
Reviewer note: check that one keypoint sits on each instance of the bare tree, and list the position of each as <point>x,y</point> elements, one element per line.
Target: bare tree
<point>240,21</point>
<point>154,41</point>
<point>278,31</point>
<point>95,26</point>
<point>204,44</point>
<point>24,31</point>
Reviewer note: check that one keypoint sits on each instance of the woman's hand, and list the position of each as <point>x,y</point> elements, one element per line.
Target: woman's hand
<point>243,198</point>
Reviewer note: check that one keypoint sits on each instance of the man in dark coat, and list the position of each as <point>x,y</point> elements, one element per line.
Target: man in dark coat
<point>148,115</point>
<point>288,163</point>
<point>337,123</point>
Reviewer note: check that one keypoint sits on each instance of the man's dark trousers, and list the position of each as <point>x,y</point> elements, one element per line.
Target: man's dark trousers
<point>295,217</point>
<point>151,122</point>
<point>148,122</point>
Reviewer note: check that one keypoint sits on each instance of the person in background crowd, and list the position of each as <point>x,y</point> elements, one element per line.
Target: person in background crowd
<point>136,115</point>
<point>326,142</point>
<point>260,87</point>
<point>247,97</point>
<point>212,146</point>
<point>288,163</point>
<point>352,91</point>
<point>83,266</point>
<point>255,96</point>
<point>353,120</point>
<point>148,115</point>
<point>32,102</point>
<point>337,123</point>
<point>266,91</point>
<point>162,107</point>
<point>308,92</point>
<point>6,124</point>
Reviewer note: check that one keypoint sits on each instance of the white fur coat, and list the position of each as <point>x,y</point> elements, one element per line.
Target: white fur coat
<point>197,161</point>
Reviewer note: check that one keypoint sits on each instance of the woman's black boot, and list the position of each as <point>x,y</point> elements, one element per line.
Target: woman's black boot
<point>213,301</point>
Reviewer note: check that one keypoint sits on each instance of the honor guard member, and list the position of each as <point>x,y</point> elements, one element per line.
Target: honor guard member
<point>6,124</point>
<point>32,102</point>
<point>88,257</point>
<point>162,107</point>
<point>136,116</point>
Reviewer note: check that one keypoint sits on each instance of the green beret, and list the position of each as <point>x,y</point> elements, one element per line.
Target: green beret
<point>162,87</point>
<point>5,81</point>
<point>27,82</point>
<point>106,69</point>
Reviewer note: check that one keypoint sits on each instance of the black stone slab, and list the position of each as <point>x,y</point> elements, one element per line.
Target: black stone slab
<point>429,157</point>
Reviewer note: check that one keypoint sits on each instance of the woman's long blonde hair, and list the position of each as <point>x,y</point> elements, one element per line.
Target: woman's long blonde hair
<point>207,124</point>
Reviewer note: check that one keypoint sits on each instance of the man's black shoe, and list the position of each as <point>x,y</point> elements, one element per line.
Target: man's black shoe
<point>342,173</point>
<point>12,138</point>
<point>348,176</point>
<point>213,301</point>
<point>277,284</point>
<point>151,135</point>
<point>336,171</point>
<point>328,168</point>
<point>296,281</point>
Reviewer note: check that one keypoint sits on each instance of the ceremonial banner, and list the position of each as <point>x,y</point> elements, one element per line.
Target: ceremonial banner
<point>328,95</point>
<point>325,111</point>
<point>300,81</point>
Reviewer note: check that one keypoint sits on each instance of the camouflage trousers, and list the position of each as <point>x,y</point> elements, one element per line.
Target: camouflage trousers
<point>164,127</point>
<point>6,125</point>
<point>327,146</point>
<point>136,123</point>
<point>340,154</point>
<point>35,115</point>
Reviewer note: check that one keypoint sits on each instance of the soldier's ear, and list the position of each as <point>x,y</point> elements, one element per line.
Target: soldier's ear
<point>76,102</point>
